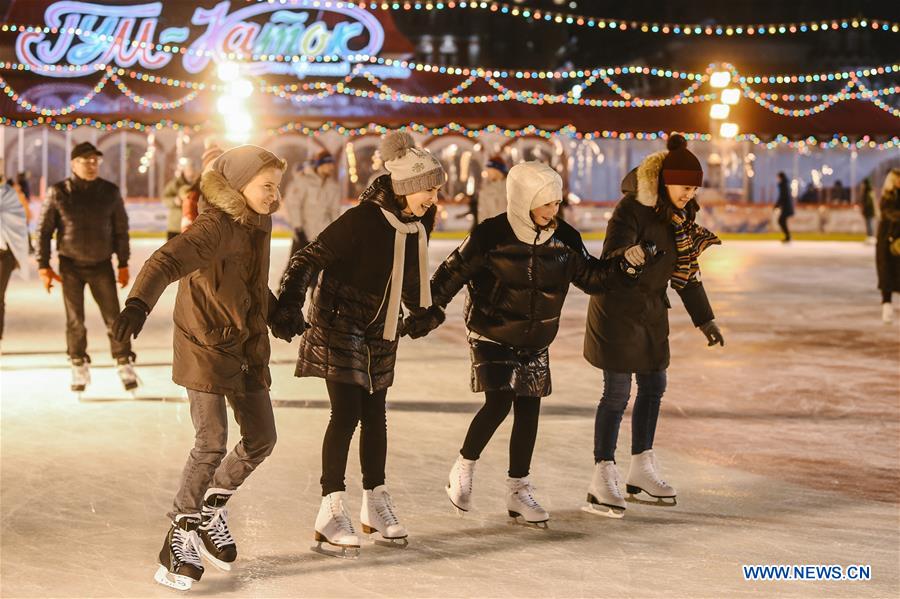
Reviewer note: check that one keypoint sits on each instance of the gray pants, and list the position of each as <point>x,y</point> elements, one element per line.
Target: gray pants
<point>207,465</point>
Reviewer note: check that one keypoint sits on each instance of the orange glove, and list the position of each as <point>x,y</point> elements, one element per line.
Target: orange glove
<point>47,277</point>
<point>123,277</point>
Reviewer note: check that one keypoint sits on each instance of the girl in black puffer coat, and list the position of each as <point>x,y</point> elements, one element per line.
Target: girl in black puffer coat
<point>518,267</point>
<point>628,330</point>
<point>351,340</point>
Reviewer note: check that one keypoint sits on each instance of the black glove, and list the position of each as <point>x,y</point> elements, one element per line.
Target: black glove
<point>422,321</point>
<point>286,322</point>
<point>130,321</point>
<point>712,332</point>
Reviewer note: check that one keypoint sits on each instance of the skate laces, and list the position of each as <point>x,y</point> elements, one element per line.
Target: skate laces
<point>611,479</point>
<point>341,517</point>
<point>385,508</point>
<point>185,547</point>
<point>650,467</point>
<point>525,491</point>
<point>465,474</point>
<point>216,526</point>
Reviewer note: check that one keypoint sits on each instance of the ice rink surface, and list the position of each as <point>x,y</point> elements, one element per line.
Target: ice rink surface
<point>784,447</point>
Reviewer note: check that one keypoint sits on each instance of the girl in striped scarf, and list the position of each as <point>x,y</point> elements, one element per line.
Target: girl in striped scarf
<point>627,332</point>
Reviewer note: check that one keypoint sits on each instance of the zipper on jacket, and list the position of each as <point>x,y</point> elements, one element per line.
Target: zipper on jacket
<point>533,278</point>
<point>365,340</point>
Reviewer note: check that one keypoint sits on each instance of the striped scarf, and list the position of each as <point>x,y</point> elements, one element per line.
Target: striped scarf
<point>690,241</point>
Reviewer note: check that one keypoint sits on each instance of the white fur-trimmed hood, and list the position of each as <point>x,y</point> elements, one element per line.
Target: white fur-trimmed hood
<point>643,181</point>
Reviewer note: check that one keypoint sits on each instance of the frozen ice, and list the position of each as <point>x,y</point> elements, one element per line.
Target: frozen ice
<point>784,447</point>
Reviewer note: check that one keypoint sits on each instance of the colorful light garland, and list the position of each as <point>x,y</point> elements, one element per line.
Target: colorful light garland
<point>569,131</point>
<point>610,24</point>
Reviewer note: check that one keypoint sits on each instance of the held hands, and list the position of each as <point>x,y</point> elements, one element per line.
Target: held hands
<point>130,321</point>
<point>48,275</point>
<point>286,322</point>
<point>637,257</point>
<point>422,321</point>
<point>123,276</point>
<point>712,332</point>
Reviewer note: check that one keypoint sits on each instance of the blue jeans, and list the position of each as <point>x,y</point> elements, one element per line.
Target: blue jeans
<point>616,391</point>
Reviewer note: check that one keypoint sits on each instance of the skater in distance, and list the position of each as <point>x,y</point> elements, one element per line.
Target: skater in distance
<point>221,347</point>
<point>517,266</point>
<point>87,215</point>
<point>627,333</point>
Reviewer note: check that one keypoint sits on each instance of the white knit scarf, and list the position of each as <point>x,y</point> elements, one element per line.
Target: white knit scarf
<point>396,282</point>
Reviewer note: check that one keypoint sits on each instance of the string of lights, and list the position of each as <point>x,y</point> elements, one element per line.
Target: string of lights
<point>569,131</point>
<point>611,24</point>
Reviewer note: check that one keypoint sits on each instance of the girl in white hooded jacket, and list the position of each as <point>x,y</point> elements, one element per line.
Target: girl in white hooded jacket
<point>517,267</point>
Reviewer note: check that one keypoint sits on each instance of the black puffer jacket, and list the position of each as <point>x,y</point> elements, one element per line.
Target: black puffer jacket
<point>628,328</point>
<point>355,255</point>
<point>517,290</point>
<point>89,220</point>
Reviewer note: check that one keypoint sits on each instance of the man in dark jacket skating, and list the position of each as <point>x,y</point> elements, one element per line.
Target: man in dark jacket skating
<point>88,216</point>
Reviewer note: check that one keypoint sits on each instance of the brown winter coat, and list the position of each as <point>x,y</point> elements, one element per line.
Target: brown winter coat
<point>221,343</point>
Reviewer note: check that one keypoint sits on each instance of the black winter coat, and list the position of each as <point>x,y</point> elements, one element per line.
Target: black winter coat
<point>517,290</point>
<point>355,256</point>
<point>628,328</point>
<point>888,228</point>
<point>89,220</point>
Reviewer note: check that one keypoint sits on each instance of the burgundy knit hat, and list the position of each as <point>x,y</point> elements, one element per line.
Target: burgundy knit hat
<point>680,166</point>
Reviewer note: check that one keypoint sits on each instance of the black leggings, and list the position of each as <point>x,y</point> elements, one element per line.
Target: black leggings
<point>352,404</point>
<point>524,432</point>
<point>886,296</point>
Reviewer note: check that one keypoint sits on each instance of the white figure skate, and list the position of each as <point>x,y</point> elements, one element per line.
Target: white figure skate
<point>459,485</point>
<point>643,477</point>
<point>604,497</point>
<point>379,518</point>
<point>335,529</point>
<point>520,503</point>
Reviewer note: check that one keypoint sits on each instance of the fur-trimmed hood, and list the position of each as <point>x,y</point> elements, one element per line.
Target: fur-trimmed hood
<point>643,181</point>
<point>218,193</point>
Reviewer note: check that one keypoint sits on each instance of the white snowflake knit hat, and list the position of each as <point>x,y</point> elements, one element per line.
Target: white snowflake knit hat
<point>412,169</point>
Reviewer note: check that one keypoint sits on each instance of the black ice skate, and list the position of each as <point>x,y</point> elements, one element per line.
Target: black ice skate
<point>216,543</point>
<point>179,563</point>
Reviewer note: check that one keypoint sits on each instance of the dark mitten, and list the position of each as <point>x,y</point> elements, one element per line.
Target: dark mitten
<point>287,321</point>
<point>130,321</point>
<point>712,332</point>
<point>422,321</point>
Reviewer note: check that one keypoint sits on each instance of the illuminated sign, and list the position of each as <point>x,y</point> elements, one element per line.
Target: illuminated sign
<point>92,34</point>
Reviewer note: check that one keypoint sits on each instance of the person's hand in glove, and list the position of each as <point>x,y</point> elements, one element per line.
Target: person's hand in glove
<point>422,321</point>
<point>48,275</point>
<point>712,332</point>
<point>287,322</point>
<point>638,257</point>
<point>130,321</point>
<point>123,276</point>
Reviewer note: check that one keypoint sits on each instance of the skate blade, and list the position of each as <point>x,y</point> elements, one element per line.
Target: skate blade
<point>604,510</point>
<point>379,539</point>
<point>517,520</point>
<point>224,566</point>
<point>459,511</point>
<point>348,552</point>
<point>657,501</point>
<point>173,581</point>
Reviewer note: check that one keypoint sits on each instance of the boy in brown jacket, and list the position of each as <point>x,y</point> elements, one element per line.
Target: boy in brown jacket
<point>221,349</point>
